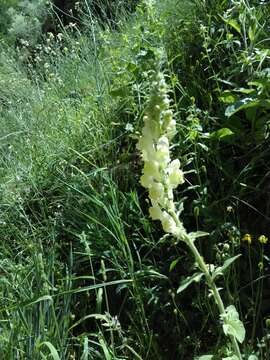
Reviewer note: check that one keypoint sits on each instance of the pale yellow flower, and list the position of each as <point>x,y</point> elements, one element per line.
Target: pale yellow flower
<point>146,181</point>
<point>156,192</point>
<point>263,239</point>
<point>155,212</point>
<point>248,238</point>
<point>160,174</point>
<point>168,223</point>
<point>151,168</point>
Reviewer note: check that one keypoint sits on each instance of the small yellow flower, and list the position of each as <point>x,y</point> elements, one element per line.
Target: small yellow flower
<point>247,237</point>
<point>263,239</point>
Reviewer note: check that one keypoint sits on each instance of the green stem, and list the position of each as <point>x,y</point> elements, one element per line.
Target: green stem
<point>210,282</point>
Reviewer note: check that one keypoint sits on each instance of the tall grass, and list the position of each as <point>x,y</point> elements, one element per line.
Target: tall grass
<point>84,273</point>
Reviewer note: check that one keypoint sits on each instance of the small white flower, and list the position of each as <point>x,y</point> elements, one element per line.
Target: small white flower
<point>59,36</point>
<point>129,127</point>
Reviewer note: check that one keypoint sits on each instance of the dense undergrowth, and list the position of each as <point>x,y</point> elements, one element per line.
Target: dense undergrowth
<point>84,272</point>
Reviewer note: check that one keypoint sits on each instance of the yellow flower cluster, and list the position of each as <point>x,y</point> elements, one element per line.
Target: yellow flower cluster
<point>160,174</point>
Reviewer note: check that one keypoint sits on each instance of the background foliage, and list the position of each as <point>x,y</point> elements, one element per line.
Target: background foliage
<point>84,274</point>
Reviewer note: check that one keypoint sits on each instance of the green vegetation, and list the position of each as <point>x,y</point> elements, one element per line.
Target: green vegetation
<point>85,272</point>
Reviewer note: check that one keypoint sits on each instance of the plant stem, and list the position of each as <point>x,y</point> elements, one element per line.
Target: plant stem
<point>210,282</point>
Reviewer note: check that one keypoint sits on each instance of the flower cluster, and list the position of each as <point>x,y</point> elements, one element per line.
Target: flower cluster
<point>160,174</point>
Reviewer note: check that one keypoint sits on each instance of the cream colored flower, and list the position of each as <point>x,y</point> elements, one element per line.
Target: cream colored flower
<point>168,223</point>
<point>151,168</point>
<point>160,174</point>
<point>146,181</point>
<point>163,153</point>
<point>155,212</point>
<point>156,192</point>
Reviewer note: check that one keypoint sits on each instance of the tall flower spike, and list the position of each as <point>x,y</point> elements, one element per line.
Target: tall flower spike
<point>160,174</point>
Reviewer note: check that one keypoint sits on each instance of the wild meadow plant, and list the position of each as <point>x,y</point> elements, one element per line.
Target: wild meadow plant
<point>161,175</point>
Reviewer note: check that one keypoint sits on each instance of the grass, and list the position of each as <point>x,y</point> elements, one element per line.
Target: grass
<point>85,274</point>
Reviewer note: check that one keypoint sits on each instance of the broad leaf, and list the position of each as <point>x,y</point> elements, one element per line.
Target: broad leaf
<point>189,280</point>
<point>232,325</point>
<point>221,269</point>
<point>221,133</point>
<point>227,97</point>
<point>246,104</point>
<point>233,23</point>
<point>204,357</point>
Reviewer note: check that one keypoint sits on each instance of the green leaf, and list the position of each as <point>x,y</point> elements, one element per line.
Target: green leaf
<point>245,91</point>
<point>221,133</point>
<point>232,325</point>
<point>233,357</point>
<point>189,280</point>
<point>148,273</point>
<point>251,34</point>
<point>204,357</point>
<point>96,286</point>
<point>227,97</point>
<point>121,91</point>
<point>52,349</point>
<point>246,104</point>
<point>221,269</point>
<point>86,352</point>
<point>42,298</point>
<point>233,23</point>
<point>173,264</point>
<point>197,234</point>
<point>105,350</point>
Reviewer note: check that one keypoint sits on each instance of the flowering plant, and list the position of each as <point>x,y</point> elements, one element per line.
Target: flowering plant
<point>160,177</point>
<point>160,174</point>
